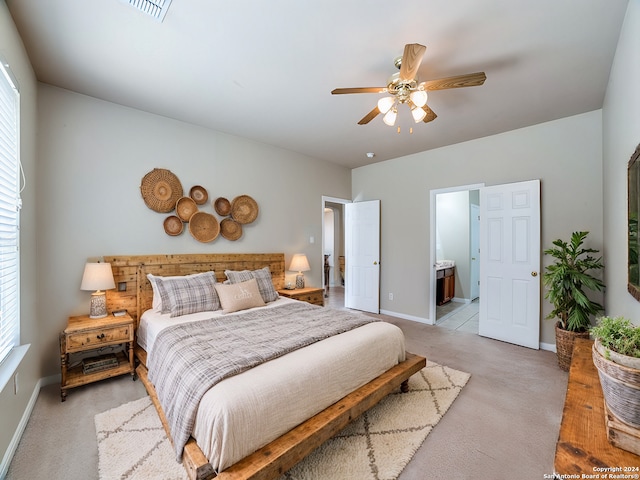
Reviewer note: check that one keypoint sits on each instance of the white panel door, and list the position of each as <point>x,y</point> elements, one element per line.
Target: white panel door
<point>362,256</point>
<point>510,263</point>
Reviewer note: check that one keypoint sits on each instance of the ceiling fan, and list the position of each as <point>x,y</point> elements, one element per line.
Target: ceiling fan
<point>403,87</point>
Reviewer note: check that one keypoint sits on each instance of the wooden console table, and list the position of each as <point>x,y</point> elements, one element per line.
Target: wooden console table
<point>582,444</point>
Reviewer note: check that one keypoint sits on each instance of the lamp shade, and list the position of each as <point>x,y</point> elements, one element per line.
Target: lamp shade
<point>385,103</point>
<point>97,276</point>
<point>299,263</point>
<point>390,117</point>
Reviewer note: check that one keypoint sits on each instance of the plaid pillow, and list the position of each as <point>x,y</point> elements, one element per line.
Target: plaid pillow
<point>262,276</point>
<point>160,294</point>
<point>189,294</point>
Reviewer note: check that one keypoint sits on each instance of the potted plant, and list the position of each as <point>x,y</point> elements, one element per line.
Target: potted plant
<point>616,355</point>
<point>568,280</point>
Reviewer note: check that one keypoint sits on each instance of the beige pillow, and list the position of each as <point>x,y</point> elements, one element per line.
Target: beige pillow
<point>239,296</point>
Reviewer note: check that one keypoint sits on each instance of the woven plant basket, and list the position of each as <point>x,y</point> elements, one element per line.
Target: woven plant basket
<point>620,387</point>
<point>564,345</point>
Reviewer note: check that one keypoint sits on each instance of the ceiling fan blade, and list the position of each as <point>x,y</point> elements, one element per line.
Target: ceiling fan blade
<point>340,91</point>
<point>468,80</point>
<point>431,115</point>
<point>369,116</point>
<point>411,60</point>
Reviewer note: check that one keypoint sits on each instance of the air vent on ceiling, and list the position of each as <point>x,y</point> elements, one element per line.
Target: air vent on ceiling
<point>155,8</point>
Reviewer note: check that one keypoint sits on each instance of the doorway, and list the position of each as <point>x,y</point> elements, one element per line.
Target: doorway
<point>454,250</point>
<point>333,250</point>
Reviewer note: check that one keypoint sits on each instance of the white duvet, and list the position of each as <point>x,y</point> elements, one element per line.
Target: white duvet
<point>245,412</point>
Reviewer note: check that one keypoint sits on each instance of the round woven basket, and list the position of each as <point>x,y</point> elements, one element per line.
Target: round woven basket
<point>185,208</point>
<point>620,387</point>
<point>222,206</point>
<point>199,194</point>
<point>204,227</point>
<point>173,225</point>
<point>244,209</point>
<point>160,190</point>
<point>564,345</point>
<point>230,229</point>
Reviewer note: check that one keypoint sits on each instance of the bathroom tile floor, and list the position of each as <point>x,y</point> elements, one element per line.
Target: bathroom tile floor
<point>459,316</point>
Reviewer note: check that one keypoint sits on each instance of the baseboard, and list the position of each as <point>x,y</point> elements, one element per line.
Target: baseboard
<point>13,445</point>
<point>551,347</point>
<point>406,317</point>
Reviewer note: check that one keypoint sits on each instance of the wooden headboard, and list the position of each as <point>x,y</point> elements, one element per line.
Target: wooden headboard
<point>133,291</point>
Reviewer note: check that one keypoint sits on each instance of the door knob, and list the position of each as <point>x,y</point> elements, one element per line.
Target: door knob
<point>375,263</point>
<point>534,274</point>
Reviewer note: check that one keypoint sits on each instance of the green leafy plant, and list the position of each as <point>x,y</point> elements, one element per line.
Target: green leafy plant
<point>619,335</point>
<point>567,280</point>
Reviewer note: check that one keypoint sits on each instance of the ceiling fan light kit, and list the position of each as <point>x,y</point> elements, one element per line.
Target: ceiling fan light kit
<point>403,86</point>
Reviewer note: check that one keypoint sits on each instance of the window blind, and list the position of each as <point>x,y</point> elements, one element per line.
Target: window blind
<point>9,214</point>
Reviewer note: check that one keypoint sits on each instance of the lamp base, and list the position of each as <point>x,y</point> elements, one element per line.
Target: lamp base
<point>98,307</point>
<point>300,281</point>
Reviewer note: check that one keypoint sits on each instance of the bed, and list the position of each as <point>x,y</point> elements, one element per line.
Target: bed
<point>273,442</point>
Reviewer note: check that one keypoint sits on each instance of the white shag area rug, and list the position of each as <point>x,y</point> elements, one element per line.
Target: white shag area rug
<point>132,444</point>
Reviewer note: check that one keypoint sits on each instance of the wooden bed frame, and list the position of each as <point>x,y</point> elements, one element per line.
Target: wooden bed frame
<point>133,293</point>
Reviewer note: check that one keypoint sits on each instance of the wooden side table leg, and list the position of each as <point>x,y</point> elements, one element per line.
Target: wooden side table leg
<point>132,362</point>
<point>63,367</point>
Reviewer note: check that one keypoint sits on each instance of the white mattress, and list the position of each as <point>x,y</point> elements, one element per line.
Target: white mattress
<point>242,413</point>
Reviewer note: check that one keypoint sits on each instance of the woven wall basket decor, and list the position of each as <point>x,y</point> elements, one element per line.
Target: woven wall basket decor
<point>222,206</point>
<point>230,229</point>
<point>199,194</point>
<point>185,208</point>
<point>244,209</point>
<point>160,190</point>
<point>204,227</point>
<point>173,225</point>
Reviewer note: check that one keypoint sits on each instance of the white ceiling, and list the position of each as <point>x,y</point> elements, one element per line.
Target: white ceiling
<point>264,70</point>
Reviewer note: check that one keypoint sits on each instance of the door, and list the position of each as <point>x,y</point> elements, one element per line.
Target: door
<point>362,251</point>
<point>510,263</point>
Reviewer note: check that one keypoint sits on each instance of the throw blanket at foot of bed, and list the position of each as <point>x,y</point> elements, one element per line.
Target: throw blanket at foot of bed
<point>188,359</point>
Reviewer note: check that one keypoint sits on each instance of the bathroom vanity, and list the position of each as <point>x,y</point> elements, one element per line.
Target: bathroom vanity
<point>445,281</point>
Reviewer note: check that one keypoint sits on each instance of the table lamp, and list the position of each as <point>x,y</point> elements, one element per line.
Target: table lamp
<point>299,263</point>
<point>97,277</point>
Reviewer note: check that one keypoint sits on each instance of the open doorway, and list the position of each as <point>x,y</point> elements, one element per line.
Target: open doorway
<point>333,250</point>
<point>455,271</point>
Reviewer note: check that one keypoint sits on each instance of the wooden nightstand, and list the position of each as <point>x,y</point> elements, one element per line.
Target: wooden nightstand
<point>311,295</point>
<point>84,334</point>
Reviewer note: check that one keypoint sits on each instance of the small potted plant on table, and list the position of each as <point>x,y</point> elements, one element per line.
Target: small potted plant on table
<point>616,355</point>
<point>567,281</point>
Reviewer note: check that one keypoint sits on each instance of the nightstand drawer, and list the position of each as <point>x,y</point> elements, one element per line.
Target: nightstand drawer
<point>98,337</point>
<point>314,298</point>
<point>311,295</point>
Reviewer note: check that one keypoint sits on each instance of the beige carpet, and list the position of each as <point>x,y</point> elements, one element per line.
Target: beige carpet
<point>378,445</point>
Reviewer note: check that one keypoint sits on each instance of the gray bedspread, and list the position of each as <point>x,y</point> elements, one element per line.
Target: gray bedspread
<point>188,359</point>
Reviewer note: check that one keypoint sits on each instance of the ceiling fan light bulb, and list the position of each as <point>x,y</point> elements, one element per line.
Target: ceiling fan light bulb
<point>418,114</point>
<point>385,104</point>
<point>390,117</point>
<point>419,98</point>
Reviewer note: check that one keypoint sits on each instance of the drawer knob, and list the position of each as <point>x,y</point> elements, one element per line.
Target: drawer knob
<point>101,336</point>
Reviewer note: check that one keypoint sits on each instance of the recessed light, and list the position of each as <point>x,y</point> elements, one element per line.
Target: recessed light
<point>371,154</point>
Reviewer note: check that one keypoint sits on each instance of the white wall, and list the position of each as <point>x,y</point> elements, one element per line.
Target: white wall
<point>93,156</point>
<point>13,406</point>
<point>566,155</point>
<point>621,135</point>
